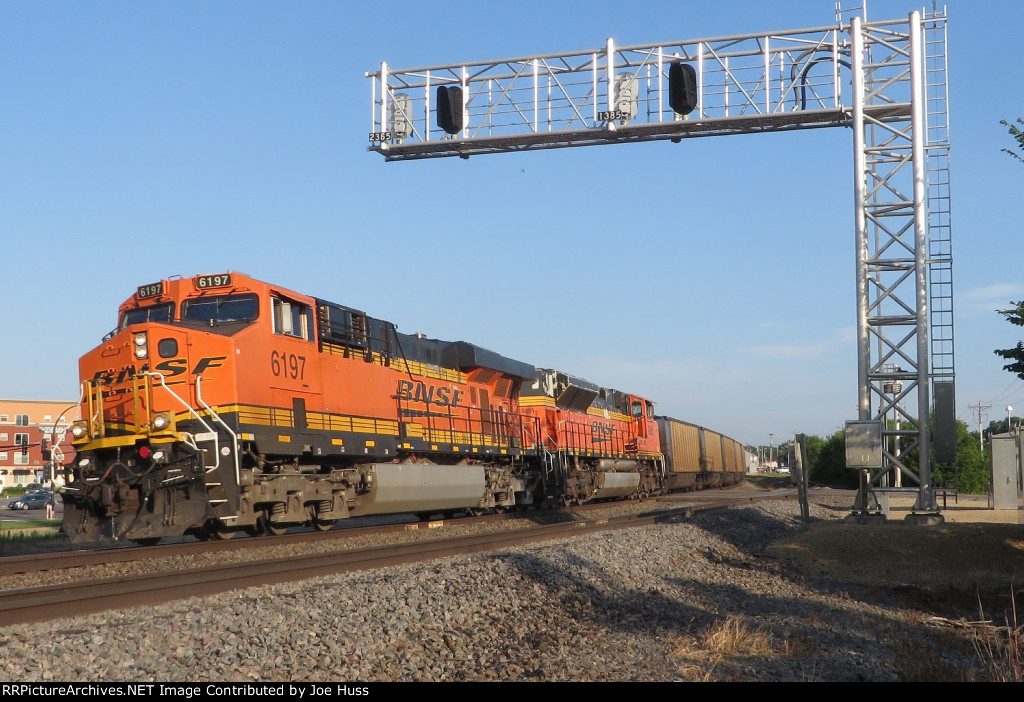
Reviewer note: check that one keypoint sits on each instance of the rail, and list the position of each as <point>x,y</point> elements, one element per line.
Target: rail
<point>46,602</point>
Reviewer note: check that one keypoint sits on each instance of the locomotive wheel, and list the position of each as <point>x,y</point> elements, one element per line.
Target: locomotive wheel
<point>213,530</point>
<point>322,524</point>
<point>148,541</point>
<point>271,528</point>
<point>253,530</point>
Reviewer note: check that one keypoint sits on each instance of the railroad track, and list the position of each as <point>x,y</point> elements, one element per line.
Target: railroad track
<point>45,602</point>
<point>78,558</point>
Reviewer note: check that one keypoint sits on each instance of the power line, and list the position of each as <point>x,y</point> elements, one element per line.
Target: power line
<point>1007,389</point>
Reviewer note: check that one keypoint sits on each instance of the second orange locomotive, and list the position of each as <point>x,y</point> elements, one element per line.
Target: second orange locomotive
<point>222,403</point>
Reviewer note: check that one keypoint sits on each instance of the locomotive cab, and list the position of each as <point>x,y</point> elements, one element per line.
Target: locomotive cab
<point>153,458</point>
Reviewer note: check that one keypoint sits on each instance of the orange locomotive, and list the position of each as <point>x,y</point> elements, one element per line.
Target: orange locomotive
<point>222,403</point>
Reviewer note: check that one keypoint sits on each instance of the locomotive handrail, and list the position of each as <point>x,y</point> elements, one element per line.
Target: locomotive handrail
<point>535,437</point>
<point>94,407</point>
<point>229,430</point>
<point>216,442</point>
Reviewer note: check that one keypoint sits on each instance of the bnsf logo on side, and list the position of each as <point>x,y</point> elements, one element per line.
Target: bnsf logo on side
<point>170,368</point>
<point>428,394</point>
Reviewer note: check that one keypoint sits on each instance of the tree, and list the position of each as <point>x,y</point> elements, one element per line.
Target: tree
<point>1015,354</point>
<point>814,445</point>
<point>829,466</point>
<point>1018,134</point>
<point>1001,426</point>
<point>971,472</point>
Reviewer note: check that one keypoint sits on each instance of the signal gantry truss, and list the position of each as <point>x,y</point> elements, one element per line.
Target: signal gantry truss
<point>886,80</point>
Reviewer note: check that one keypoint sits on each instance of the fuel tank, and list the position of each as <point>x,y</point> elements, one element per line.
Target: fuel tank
<point>615,485</point>
<point>411,487</point>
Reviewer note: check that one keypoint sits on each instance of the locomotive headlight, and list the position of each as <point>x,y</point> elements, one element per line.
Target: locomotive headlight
<point>159,456</point>
<point>79,430</point>
<point>141,346</point>
<point>161,422</point>
<point>84,463</point>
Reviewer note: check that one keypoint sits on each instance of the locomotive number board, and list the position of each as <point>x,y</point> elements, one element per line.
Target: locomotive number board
<point>213,281</point>
<point>151,290</point>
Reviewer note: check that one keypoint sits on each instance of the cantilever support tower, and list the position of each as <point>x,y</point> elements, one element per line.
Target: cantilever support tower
<point>778,81</point>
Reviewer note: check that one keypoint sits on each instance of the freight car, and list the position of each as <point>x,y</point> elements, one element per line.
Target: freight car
<point>223,404</point>
<point>700,458</point>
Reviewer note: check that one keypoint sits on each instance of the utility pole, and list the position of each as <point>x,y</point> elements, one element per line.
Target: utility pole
<point>981,410</point>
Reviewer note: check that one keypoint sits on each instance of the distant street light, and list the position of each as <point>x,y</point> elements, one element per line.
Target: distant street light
<point>1008,410</point>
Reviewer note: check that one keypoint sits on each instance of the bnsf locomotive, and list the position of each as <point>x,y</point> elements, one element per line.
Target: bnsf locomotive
<point>221,404</point>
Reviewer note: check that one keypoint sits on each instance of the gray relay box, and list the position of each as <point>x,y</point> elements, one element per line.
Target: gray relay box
<point>864,444</point>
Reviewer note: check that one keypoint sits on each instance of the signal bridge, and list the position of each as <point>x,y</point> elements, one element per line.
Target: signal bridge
<point>885,80</point>
<point>710,87</point>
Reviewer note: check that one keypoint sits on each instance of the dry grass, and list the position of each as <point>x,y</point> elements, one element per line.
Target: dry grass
<point>999,647</point>
<point>718,653</point>
<point>729,639</point>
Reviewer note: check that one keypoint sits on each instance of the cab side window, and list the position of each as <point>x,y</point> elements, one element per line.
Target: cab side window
<point>292,318</point>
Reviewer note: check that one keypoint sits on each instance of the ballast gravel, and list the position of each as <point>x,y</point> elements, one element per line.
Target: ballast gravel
<point>643,604</point>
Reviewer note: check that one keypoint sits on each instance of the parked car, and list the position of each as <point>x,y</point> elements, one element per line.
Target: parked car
<point>31,500</point>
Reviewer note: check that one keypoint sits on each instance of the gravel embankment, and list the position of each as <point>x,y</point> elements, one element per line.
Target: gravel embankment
<point>627,605</point>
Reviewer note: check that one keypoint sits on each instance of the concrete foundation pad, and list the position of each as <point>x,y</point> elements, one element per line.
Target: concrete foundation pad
<point>868,519</point>
<point>923,519</point>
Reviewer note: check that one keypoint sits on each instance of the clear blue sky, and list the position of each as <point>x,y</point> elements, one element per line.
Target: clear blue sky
<point>140,140</point>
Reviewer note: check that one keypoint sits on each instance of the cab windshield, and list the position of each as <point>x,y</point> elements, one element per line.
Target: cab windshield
<point>153,313</point>
<point>220,309</point>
